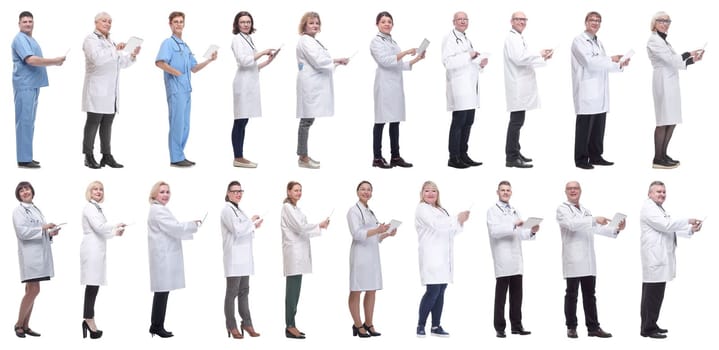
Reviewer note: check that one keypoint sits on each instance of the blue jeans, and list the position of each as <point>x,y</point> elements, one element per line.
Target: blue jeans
<point>432,301</point>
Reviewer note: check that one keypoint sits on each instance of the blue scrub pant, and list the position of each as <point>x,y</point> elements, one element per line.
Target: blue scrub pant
<point>25,111</point>
<point>178,105</point>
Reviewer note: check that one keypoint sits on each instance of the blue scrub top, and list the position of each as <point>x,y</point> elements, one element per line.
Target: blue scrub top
<point>177,54</point>
<point>24,75</point>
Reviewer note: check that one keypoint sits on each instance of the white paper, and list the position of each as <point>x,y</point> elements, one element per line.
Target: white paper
<point>57,227</point>
<point>393,225</point>
<point>531,222</point>
<point>618,217</point>
<point>422,47</point>
<point>132,44</point>
<point>210,50</point>
<point>626,56</point>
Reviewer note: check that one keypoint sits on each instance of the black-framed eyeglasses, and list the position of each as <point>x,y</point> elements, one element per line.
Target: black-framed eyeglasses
<point>523,19</point>
<point>662,20</point>
<point>236,191</point>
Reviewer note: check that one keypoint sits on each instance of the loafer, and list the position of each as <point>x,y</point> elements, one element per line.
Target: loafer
<point>572,333</point>
<point>601,161</point>
<point>465,158</point>
<point>518,163</point>
<point>501,334</point>
<point>420,332</point>
<point>663,164</point>
<point>381,163</point>
<point>309,164</point>
<point>244,163</point>
<point>662,330</point>
<point>182,164</point>
<point>599,333</point>
<point>655,335</point>
<point>524,159</point>
<point>28,165</point>
<point>521,331</point>
<point>400,163</point>
<point>584,166</point>
<point>439,332</point>
<point>456,162</point>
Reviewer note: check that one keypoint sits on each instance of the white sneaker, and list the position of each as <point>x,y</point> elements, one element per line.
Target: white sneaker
<point>309,164</point>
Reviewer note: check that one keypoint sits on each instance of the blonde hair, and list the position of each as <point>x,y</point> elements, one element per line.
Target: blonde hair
<point>306,18</point>
<point>432,185</point>
<point>88,191</point>
<point>156,190</point>
<point>653,23</point>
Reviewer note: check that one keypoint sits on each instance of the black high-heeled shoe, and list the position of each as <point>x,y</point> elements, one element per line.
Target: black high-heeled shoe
<point>356,332</point>
<point>30,332</point>
<point>160,332</point>
<point>18,333</point>
<point>93,334</point>
<point>370,330</point>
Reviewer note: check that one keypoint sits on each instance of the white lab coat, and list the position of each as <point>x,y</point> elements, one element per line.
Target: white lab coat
<point>33,243</point>
<point>665,80</point>
<point>315,87</point>
<point>100,92</point>
<point>435,232</point>
<point>520,81</point>
<point>590,78</point>
<point>462,72</point>
<point>659,242</point>
<point>246,86</point>
<point>238,232</point>
<point>388,84</point>
<point>365,267</point>
<point>505,239</point>
<point>93,249</point>
<point>164,243</point>
<point>578,228</point>
<point>296,234</point>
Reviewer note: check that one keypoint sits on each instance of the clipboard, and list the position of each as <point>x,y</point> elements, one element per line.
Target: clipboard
<point>422,47</point>
<point>56,228</point>
<point>210,50</point>
<point>132,44</point>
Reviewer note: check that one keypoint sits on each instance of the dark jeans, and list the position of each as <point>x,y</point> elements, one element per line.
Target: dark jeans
<point>432,301</point>
<point>512,147</point>
<point>514,285</point>
<point>89,304</point>
<point>459,132</point>
<point>159,308</point>
<point>589,301</point>
<point>589,137</point>
<point>652,298</point>
<point>393,139</point>
<point>238,136</point>
<point>97,121</point>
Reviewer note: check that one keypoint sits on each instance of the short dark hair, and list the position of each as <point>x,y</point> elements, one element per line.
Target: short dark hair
<point>174,14</point>
<point>592,13</point>
<point>20,186</point>
<point>504,182</point>
<point>25,14</point>
<point>233,183</point>
<point>383,14</point>
<point>656,183</point>
<point>236,26</point>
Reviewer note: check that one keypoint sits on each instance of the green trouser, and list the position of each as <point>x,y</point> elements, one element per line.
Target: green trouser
<point>292,297</point>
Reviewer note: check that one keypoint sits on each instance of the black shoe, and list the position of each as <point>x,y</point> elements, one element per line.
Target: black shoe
<point>182,164</point>
<point>30,332</point>
<point>521,331</point>
<point>666,157</point>
<point>465,158</point>
<point>524,159</point>
<point>381,163</point>
<point>456,162</point>
<point>400,163</point>
<point>662,330</point>
<point>38,163</point>
<point>584,166</point>
<point>289,334</point>
<point>518,163</point>
<point>370,330</point>
<point>90,161</point>
<point>663,164</point>
<point>28,165</point>
<point>18,333</point>
<point>601,161</point>
<point>599,333</point>
<point>655,335</point>
<point>93,334</point>
<point>501,334</point>
<point>356,332</point>
<point>572,333</point>
<point>109,160</point>
<point>189,161</point>
<point>160,332</point>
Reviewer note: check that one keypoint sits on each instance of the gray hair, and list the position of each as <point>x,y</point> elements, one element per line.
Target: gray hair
<point>653,23</point>
<point>102,15</point>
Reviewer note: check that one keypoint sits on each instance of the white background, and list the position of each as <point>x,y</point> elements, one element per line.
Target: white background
<point>343,145</point>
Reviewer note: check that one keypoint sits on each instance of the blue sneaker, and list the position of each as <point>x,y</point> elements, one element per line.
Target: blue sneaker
<point>439,332</point>
<point>420,332</point>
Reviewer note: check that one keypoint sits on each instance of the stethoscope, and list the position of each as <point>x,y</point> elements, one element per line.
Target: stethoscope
<point>509,210</point>
<point>386,38</point>
<point>597,48</point>
<point>362,214</point>
<point>459,41</point>
<point>179,44</point>
<point>581,211</point>
<point>249,42</point>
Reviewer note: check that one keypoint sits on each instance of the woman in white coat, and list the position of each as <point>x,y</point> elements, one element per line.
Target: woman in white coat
<point>238,232</point>
<point>435,232</point>
<point>315,89</point>
<point>665,87</point>
<point>34,237</point>
<point>389,90</point>
<point>103,60</point>
<point>93,261</point>
<point>296,253</point>
<point>365,269</point>
<point>246,86</point>
<point>164,242</point>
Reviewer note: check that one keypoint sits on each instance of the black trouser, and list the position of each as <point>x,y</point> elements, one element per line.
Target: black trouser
<point>514,285</point>
<point>459,132</point>
<point>652,297</point>
<point>393,139</point>
<point>159,308</point>
<point>589,137</point>
<point>89,304</point>
<point>589,301</point>
<point>238,137</point>
<point>93,122</point>
<point>512,147</point>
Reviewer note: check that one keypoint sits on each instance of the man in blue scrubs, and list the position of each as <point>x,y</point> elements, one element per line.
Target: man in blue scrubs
<point>177,61</point>
<point>28,76</point>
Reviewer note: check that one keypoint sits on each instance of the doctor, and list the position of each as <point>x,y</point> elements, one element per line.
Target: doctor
<point>579,264</point>
<point>463,65</point>
<point>659,263</point>
<point>590,87</point>
<point>164,242</point>
<point>296,253</point>
<point>520,86</point>
<point>246,86</point>
<point>365,269</point>
<point>506,231</point>
<point>177,62</point>
<point>665,87</point>
<point>100,92</point>
<point>435,232</point>
<point>34,237</point>
<point>315,88</point>
<point>389,90</point>
<point>93,253</point>
<point>238,232</point>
